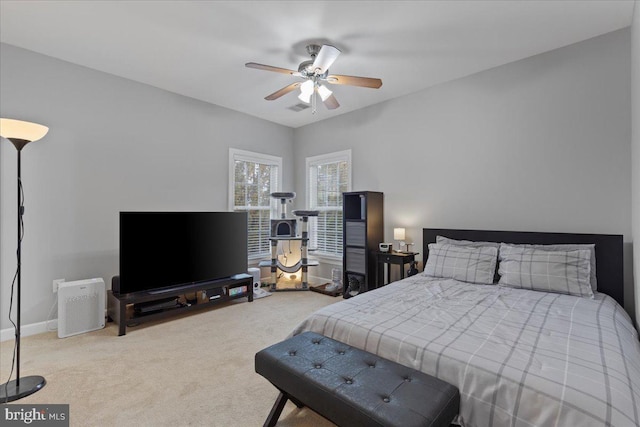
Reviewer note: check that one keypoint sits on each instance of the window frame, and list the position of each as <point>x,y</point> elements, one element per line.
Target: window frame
<point>236,154</point>
<point>315,161</point>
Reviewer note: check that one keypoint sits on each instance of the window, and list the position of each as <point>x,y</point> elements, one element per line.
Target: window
<point>252,179</point>
<point>328,176</point>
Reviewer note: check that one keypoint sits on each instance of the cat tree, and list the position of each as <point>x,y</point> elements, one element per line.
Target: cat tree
<point>285,229</point>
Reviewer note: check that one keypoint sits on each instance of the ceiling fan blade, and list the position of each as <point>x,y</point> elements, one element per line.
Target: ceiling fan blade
<point>355,81</point>
<point>270,68</point>
<point>285,90</point>
<point>325,58</point>
<point>331,103</point>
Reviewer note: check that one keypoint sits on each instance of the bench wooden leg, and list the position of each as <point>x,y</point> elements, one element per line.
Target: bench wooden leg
<point>272,419</point>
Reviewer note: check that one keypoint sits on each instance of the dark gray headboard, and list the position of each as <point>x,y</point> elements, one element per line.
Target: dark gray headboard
<point>609,261</point>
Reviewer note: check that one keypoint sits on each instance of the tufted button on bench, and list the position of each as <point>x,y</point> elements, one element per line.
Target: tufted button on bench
<point>352,387</point>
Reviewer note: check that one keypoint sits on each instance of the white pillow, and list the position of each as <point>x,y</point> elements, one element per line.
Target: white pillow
<point>464,263</point>
<point>565,272</point>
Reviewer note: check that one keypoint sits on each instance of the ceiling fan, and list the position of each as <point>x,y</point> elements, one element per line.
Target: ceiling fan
<point>314,72</point>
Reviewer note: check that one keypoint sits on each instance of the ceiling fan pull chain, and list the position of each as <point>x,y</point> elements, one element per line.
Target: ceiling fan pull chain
<point>314,97</point>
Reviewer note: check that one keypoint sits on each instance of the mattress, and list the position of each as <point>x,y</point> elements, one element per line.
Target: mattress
<point>519,357</point>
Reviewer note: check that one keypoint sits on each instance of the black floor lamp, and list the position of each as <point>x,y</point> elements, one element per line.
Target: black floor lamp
<point>20,134</point>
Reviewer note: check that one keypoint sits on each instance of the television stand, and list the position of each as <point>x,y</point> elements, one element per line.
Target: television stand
<point>121,306</point>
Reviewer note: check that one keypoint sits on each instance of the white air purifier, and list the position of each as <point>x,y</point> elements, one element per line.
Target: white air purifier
<point>255,274</point>
<point>258,292</point>
<point>81,307</point>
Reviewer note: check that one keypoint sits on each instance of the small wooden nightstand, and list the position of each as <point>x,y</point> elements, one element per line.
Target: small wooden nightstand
<point>398,258</point>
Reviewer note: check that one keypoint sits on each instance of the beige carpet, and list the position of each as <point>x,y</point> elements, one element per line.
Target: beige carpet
<point>192,370</point>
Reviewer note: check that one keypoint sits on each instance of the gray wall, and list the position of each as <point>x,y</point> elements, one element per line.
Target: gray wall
<point>541,144</point>
<point>635,147</point>
<point>113,145</point>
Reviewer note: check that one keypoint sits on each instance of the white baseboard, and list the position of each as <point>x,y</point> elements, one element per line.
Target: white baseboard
<point>27,330</point>
<point>33,329</point>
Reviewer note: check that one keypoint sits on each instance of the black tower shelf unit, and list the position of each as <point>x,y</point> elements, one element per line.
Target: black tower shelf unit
<point>363,231</point>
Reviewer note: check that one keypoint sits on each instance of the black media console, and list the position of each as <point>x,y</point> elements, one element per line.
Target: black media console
<point>132,309</point>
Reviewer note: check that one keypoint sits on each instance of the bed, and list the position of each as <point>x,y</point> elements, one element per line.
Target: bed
<point>519,357</point>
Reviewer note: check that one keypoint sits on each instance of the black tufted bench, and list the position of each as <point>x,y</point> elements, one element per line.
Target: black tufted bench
<point>352,387</point>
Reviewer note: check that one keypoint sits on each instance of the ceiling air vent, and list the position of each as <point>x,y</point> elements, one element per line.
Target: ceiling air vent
<point>298,107</point>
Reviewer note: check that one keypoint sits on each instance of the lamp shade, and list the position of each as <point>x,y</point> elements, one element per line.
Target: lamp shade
<point>306,90</point>
<point>398,234</point>
<point>324,92</point>
<point>307,87</point>
<point>305,97</point>
<point>17,129</point>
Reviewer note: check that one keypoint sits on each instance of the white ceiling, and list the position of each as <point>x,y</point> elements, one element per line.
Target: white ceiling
<point>199,48</point>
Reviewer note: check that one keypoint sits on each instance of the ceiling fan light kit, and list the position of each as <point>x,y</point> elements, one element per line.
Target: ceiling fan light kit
<point>314,72</point>
<point>306,90</point>
<point>324,92</point>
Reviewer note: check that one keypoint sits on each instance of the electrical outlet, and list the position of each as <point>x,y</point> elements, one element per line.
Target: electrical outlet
<point>56,283</point>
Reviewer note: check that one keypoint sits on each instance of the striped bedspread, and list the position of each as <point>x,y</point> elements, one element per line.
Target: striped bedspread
<point>519,357</point>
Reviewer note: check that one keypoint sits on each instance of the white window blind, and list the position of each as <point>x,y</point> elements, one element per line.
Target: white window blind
<point>252,178</point>
<point>328,176</point>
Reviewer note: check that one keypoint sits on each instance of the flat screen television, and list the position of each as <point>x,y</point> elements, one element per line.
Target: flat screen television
<point>164,250</point>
